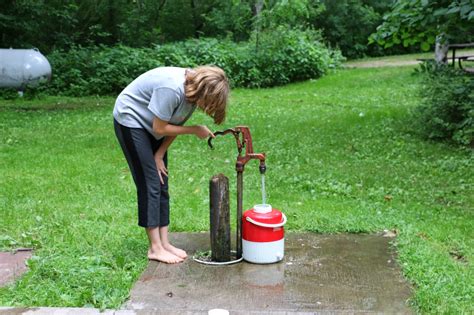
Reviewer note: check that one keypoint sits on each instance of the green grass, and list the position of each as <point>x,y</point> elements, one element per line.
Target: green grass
<point>342,157</point>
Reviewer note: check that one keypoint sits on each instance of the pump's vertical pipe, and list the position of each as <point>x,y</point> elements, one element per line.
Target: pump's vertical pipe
<point>240,189</point>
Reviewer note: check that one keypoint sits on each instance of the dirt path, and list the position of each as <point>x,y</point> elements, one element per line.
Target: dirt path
<point>380,63</point>
<point>402,60</point>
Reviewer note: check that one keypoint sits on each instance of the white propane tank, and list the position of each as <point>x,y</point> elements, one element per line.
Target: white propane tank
<point>23,67</point>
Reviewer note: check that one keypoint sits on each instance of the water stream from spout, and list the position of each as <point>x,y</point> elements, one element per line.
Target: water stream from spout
<point>264,194</point>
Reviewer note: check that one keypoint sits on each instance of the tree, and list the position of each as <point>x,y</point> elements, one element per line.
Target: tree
<point>348,23</point>
<point>425,22</point>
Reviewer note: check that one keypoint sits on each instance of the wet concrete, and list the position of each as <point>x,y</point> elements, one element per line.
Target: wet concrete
<point>12,265</point>
<point>320,273</point>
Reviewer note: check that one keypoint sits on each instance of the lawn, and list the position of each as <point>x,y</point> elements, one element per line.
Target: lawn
<point>343,156</point>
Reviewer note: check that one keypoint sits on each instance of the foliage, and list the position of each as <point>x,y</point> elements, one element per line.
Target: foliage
<point>340,159</point>
<point>412,22</point>
<point>283,56</point>
<point>295,14</point>
<point>344,24</point>
<point>26,24</point>
<point>230,19</point>
<point>347,24</point>
<point>96,70</point>
<point>53,25</point>
<point>447,110</point>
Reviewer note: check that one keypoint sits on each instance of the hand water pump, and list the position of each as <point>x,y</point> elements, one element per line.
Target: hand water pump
<point>243,140</point>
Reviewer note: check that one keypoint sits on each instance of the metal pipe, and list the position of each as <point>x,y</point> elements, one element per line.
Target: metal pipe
<point>240,189</point>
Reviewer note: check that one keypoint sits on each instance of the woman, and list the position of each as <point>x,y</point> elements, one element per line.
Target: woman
<point>148,115</point>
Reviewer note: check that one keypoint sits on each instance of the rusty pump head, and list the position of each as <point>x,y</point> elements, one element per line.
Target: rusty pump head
<point>243,139</point>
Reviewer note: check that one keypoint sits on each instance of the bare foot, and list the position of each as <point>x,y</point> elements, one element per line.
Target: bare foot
<point>175,251</point>
<point>164,256</point>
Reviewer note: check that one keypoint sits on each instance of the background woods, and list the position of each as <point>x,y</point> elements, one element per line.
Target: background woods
<point>55,24</point>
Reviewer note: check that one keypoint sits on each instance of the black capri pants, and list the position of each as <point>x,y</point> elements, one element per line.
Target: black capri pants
<point>139,148</point>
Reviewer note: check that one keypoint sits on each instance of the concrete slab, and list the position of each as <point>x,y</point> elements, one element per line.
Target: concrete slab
<point>320,273</point>
<point>12,265</point>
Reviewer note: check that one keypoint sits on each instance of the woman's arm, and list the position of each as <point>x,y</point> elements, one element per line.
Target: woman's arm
<point>163,128</point>
<point>164,146</point>
<point>160,153</point>
<point>170,132</point>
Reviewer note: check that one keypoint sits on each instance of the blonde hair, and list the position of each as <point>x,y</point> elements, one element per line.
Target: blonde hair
<point>208,88</point>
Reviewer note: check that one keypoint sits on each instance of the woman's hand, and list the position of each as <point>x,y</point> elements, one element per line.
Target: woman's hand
<point>203,132</point>
<point>160,166</point>
<point>163,128</point>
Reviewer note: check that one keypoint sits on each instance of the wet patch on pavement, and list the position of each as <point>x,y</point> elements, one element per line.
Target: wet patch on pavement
<point>320,273</point>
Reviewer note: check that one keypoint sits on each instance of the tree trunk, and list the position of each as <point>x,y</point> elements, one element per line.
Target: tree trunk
<point>156,15</point>
<point>441,49</point>
<point>112,21</point>
<point>195,19</point>
<point>256,12</point>
<point>220,218</point>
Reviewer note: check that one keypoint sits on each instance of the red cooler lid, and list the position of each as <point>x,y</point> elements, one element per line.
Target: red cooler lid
<point>264,214</point>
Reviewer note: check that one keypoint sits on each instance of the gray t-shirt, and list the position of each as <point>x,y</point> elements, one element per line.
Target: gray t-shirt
<point>158,92</point>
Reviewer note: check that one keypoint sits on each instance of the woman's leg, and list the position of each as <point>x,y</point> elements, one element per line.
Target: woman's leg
<point>164,211</point>
<point>166,243</point>
<point>138,151</point>
<point>157,250</point>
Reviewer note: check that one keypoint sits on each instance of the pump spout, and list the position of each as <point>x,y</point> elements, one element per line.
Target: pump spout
<point>244,159</point>
<point>262,167</point>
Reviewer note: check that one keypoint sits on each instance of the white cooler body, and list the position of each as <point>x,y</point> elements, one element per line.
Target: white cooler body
<point>263,252</point>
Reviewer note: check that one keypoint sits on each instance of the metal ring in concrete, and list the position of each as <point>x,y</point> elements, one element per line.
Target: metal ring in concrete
<point>215,263</point>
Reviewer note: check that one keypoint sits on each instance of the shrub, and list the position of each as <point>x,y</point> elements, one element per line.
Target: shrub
<point>286,55</point>
<point>282,56</point>
<point>447,109</point>
<point>97,70</point>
